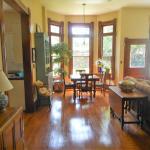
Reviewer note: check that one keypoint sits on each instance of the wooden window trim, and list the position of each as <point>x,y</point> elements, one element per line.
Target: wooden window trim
<point>70,35</point>
<point>61,35</point>
<point>100,43</point>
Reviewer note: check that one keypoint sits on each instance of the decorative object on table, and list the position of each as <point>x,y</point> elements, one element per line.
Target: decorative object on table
<point>103,66</point>
<point>5,85</point>
<point>100,65</point>
<point>127,85</point>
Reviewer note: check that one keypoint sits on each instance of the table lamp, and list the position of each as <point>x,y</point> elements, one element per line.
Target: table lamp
<point>5,85</point>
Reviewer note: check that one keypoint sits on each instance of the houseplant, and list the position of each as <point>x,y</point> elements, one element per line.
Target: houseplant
<point>62,56</point>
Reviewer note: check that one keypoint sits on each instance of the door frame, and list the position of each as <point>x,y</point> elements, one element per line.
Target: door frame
<point>137,71</point>
<point>26,47</point>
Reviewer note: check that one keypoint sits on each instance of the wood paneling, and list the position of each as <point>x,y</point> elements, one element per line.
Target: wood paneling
<point>11,128</point>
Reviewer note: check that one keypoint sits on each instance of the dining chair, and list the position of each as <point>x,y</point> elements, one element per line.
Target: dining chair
<point>101,83</point>
<point>67,84</point>
<point>85,84</point>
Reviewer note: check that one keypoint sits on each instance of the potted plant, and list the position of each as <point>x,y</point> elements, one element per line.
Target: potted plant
<point>62,56</point>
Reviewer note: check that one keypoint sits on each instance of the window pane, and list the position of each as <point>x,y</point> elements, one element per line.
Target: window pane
<point>80,63</point>
<point>55,29</point>
<point>137,56</point>
<point>107,45</point>
<point>55,40</point>
<point>107,63</point>
<point>108,29</point>
<point>55,66</point>
<point>80,46</point>
<point>80,30</point>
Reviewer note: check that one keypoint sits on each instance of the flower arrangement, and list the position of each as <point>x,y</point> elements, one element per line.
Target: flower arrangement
<point>103,65</point>
<point>99,62</point>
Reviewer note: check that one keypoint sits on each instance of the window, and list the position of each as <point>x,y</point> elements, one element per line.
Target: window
<point>107,39</point>
<point>137,56</point>
<point>55,31</point>
<point>80,40</point>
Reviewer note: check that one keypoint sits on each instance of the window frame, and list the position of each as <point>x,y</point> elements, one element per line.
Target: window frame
<point>70,36</point>
<point>100,43</point>
<point>60,35</point>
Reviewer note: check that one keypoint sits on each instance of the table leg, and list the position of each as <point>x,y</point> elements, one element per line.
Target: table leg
<point>94,88</point>
<point>74,91</point>
<point>122,116</point>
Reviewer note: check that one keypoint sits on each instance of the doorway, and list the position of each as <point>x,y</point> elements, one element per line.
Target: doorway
<point>26,48</point>
<point>136,57</point>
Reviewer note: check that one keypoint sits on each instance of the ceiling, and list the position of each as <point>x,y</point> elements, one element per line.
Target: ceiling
<point>93,7</point>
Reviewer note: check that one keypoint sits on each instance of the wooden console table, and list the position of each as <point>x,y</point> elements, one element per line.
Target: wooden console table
<point>120,100</point>
<point>11,129</point>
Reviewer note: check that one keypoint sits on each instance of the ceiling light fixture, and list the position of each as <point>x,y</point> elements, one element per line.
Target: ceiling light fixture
<point>84,12</point>
<point>84,19</point>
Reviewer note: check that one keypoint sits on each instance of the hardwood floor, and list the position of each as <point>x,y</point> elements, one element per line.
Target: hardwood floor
<point>80,125</point>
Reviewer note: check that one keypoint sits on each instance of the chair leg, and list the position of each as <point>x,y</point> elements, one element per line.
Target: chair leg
<point>50,102</point>
<point>64,91</point>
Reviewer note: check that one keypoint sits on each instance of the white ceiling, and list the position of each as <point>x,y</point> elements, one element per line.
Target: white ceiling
<point>93,7</point>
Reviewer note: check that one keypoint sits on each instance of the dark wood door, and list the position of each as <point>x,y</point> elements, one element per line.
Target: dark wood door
<point>135,57</point>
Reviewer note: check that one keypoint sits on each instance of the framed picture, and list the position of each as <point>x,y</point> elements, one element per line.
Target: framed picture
<point>33,55</point>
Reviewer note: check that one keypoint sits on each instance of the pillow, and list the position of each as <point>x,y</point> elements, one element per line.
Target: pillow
<point>39,83</point>
<point>130,78</point>
<point>44,91</point>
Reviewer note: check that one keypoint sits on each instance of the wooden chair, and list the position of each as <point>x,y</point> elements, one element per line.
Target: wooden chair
<point>101,83</point>
<point>67,85</point>
<point>85,85</point>
<point>43,94</point>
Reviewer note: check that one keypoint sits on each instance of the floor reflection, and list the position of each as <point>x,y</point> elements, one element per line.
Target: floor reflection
<point>80,130</point>
<point>56,112</point>
<point>105,134</point>
<point>56,139</point>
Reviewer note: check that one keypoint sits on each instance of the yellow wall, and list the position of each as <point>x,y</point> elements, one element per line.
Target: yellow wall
<point>36,16</point>
<point>13,41</point>
<point>134,23</point>
<point>131,23</point>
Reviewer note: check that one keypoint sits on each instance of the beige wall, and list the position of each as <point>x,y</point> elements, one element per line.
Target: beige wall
<point>36,16</point>
<point>13,41</point>
<point>134,23</point>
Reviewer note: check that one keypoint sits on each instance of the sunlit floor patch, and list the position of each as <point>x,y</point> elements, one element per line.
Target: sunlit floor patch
<point>80,130</point>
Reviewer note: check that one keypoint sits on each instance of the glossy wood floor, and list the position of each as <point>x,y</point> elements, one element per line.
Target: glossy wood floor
<point>80,125</point>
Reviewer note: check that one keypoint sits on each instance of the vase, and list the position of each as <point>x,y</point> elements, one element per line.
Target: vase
<point>100,69</point>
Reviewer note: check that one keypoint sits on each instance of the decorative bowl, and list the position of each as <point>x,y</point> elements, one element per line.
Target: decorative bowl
<point>126,85</point>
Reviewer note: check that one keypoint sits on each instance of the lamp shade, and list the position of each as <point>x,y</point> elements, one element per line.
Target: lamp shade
<point>5,84</point>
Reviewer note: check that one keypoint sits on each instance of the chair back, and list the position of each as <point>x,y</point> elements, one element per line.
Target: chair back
<point>86,80</point>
